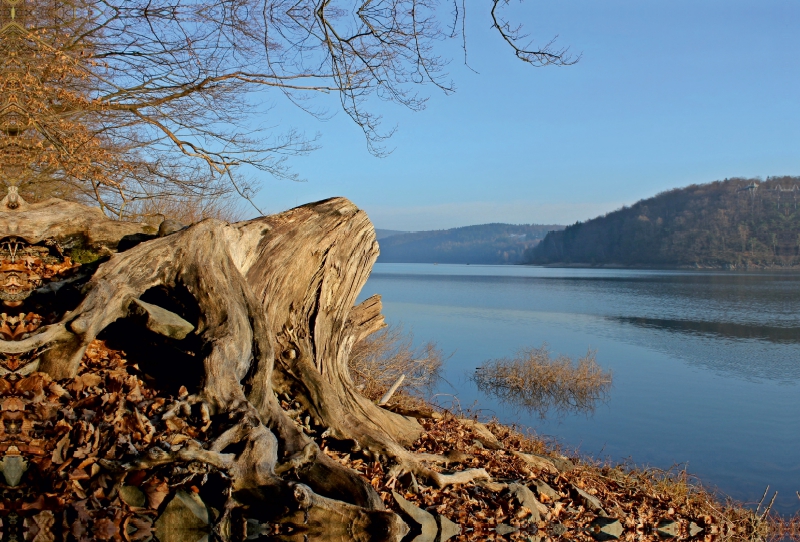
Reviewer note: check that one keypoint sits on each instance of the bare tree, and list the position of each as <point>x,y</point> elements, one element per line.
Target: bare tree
<point>123,101</point>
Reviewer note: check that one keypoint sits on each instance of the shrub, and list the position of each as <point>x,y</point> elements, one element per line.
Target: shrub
<point>378,361</point>
<point>538,382</point>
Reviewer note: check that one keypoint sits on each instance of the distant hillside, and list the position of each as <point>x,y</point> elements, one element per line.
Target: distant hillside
<point>382,234</point>
<point>731,223</point>
<point>484,244</point>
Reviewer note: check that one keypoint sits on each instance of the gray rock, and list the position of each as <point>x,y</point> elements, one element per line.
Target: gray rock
<point>542,488</point>
<point>424,519</point>
<point>168,227</point>
<point>494,487</point>
<point>606,528</point>
<point>694,529</point>
<point>504,529</point>
<point>546,463</point>
<point>185,519</point>
<point>590,502</point>
<point>562,464</point>
<point>447,529</point>
<point>456,456</point>
<point>527,499</point>
<point>537,462</point>
<point>668,528</point>
<point>160,320</point>
<point>13,467</point>
<point>195,505</point>
<point>485,436</point>
<point>132,496</point>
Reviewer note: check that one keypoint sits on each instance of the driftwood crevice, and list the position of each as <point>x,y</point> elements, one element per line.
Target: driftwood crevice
<point>272,313</point>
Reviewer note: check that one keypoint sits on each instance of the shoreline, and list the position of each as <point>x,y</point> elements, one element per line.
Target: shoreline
<point>517,489</point>
<point>539,494</point>
<point>676,267</point>
<point>682,267</point>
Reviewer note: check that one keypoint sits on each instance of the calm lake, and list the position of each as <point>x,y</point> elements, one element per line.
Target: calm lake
<point>706,365</point>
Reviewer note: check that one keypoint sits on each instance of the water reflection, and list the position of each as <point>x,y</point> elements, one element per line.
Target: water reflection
<point>534,402</point>
<point>727,330</point>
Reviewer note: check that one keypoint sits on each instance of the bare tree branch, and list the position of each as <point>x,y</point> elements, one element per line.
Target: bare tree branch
<point>120,101</point>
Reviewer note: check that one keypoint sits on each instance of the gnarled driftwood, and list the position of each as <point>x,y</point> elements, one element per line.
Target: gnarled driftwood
<point>258,309</point>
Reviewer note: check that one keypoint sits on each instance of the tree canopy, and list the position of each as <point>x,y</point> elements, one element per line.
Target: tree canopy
<point>124,101</point>
<point>732,223</point>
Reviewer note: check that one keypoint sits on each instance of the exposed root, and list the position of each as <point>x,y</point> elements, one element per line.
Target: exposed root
<point>461,477</point>
<point>299,460</point>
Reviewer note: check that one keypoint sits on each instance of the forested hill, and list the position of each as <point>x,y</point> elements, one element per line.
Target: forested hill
<point>381,234</point>
<point>731,223</point>
<point>483,244</point>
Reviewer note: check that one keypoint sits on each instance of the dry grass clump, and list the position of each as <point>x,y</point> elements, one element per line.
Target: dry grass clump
<point>540,383</point>
<point>380,359</point>
<point>185,209</point>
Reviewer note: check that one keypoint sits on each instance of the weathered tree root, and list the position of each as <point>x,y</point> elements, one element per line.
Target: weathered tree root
<point>441,480</point>
<point>271,302</point>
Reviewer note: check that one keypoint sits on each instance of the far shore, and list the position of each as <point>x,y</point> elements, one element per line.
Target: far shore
<point>662,267</point>
<point>667,267</point>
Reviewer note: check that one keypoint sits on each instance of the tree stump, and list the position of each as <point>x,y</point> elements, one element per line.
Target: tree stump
<point>235,320</point>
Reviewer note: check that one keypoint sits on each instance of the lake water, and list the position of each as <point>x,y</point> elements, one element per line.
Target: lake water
<point>706,365</point>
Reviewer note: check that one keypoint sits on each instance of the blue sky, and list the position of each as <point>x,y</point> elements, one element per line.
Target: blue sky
<point>667,93</point>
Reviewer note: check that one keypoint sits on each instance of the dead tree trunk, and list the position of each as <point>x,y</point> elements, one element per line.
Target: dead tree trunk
<point>264,308</point>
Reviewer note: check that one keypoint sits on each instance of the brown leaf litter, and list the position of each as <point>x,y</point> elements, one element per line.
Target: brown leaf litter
<point>63,445</point>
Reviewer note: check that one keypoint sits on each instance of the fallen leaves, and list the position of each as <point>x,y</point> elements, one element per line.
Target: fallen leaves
<point>569,500</point>
<point>70,438</point>
<point>23,268</point>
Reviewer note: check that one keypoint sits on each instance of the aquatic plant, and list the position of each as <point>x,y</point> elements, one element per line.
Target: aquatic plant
<point>540,383</point>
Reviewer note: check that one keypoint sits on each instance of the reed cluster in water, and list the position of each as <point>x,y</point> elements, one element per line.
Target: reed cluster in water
<point>539,382</point>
